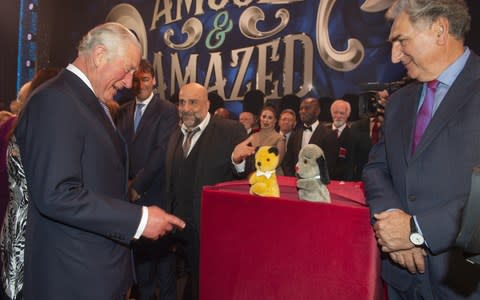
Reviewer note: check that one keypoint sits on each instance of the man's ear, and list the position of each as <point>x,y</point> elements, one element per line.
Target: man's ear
<point>322,165</point>
<point>440,29</point>
<point>99,55</point>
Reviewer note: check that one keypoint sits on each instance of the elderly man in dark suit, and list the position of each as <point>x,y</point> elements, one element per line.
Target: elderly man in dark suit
<point>202,152</point>
<point>313,132</point>
<point>418,176</point>
<point>340,111</point>
<point>80,222</point>
<point>146,124</point>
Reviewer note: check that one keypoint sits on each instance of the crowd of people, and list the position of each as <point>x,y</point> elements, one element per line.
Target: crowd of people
<point>85,182</point>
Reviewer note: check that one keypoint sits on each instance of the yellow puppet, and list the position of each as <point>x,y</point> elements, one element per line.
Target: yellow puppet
<point>263,182</point>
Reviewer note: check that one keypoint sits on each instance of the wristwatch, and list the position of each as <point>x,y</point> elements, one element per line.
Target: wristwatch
<point>415,237</point>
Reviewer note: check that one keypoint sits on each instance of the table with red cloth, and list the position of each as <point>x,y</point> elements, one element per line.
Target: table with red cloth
<point>284,248</point>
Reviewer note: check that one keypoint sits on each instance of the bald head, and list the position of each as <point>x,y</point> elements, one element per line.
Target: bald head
<point>193,104</point>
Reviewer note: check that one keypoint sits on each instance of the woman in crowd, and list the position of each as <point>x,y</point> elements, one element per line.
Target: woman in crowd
<point>267,136</point>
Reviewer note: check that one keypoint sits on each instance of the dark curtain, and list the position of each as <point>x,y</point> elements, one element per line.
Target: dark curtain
<point>472,39</point>
<point>8,52</point>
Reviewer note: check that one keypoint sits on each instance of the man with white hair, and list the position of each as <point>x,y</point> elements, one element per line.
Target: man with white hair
<point>80,222</point>
<point>340,111</point>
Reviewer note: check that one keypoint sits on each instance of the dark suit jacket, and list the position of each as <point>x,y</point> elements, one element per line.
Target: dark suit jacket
<point>434,182</point>
<point>322,137</point>
<point>79,220</point>
<point>147,147</point>
<point>361,145</point>
<point>344,163</point>
<point>215,164</point>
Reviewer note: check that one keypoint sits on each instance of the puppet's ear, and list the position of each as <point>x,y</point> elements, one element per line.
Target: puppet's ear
<point>273,150</point>
<point>322,165</point>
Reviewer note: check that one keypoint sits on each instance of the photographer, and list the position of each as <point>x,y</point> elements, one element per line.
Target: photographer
<point>366,131</point>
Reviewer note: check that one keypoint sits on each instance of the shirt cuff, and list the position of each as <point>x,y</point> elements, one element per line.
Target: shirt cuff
<point>240,167</point>
<point>419,229</point>
<point>143,223</point>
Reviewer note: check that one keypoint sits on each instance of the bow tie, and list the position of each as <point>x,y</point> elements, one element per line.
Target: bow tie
<point>267,174</point>
<point>305,127</point>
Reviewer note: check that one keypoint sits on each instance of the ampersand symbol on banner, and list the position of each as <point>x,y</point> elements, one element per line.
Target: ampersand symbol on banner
<point>222,24</point>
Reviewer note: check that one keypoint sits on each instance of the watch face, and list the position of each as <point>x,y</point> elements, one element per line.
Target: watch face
<point>417,239</point>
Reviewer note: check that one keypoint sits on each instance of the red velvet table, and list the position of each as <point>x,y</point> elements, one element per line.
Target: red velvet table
<point>285,248</point>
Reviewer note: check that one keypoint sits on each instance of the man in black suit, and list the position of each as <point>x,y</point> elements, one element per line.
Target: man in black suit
<point>202,152</point>
<point>146,124</point>
<point>313,132</point>
<point>80,222</point>
<point>340,111</point>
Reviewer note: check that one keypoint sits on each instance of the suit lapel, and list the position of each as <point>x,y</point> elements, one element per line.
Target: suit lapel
<point>91,102</point>
<point>128,123</point>
<point>297,143</point>
<point>207,138</point>
<point>172,145</point>
<point>456,97</point>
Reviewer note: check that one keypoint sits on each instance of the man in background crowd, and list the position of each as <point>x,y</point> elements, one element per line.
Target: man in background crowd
<point>248,120</point>
<point>340,111</point>
<point>287,123</point>
<point>146,124</point>
<point>313,132</point>
<point>202,152</point>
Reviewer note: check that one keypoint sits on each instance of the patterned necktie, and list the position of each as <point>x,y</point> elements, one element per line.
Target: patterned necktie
<point>138,115</point>
<point>188,140</point>
<point>425,113</point>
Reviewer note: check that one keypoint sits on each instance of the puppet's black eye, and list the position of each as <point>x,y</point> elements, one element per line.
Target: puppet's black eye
<point>268,159</point>
<point>304,161</point>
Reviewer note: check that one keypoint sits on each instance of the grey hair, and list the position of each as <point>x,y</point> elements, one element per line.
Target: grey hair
<point>426,12</point>
<point>115,37</point>
<point>338,101</point>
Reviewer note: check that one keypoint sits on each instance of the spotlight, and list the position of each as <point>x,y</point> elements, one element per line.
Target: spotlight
<point>29,63</point>
<point>31,6</point>
<point>30,36</point>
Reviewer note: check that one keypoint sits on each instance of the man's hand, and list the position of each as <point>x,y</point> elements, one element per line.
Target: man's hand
<point>242,151</point>
<point>392,230</point>
<point>159,223</point>
<point>412,259</point>
<point>134,196</point>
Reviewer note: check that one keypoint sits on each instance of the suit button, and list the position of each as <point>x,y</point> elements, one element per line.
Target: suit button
<point>412,197</point>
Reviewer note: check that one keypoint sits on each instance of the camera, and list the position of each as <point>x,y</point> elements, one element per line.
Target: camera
<point>369,100</point>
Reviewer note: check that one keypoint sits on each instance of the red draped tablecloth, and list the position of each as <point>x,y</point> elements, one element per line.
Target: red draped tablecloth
<point>285,248</point>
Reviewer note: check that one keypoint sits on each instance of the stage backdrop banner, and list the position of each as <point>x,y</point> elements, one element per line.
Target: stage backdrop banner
<point>302,47</point>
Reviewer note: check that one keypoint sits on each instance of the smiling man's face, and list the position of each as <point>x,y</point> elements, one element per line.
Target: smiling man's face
<point>115,73</point>
<point>415,47</point>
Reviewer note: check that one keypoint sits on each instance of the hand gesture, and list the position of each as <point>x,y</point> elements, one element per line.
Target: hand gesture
<point>159,223</point>
<point>242,151</point>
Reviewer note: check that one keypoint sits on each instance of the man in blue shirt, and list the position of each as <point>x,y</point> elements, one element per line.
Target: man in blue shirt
<point>418,176</point>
